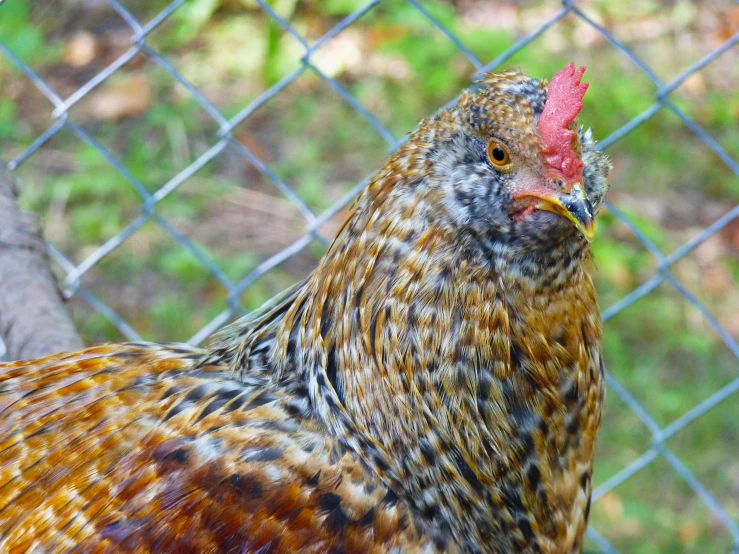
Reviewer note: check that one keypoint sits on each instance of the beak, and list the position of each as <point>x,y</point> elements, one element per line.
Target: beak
<point>574,206</point>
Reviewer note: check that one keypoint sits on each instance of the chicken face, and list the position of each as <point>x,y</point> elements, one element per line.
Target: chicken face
<point>517,171</point>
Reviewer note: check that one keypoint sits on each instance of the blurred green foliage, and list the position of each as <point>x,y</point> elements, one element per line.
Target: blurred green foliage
<point>400,68</point>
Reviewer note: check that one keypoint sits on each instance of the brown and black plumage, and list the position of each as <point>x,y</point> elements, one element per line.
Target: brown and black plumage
<point>435,385</point>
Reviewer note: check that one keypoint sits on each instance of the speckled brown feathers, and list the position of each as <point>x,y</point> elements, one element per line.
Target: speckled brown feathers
<point>434,386</point>
<point>131,448</point>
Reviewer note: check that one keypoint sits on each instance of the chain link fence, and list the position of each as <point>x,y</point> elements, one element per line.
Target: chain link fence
<point>72,286</point>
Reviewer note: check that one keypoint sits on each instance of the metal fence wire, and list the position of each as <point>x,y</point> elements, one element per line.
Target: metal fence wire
<point>569,9</point>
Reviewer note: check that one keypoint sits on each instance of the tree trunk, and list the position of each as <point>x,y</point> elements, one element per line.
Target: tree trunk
<point>34,320</point>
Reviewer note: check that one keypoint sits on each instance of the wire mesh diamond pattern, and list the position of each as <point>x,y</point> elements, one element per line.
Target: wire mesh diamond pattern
<point>73,272</point>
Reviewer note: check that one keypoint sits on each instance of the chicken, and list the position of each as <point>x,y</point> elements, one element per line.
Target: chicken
<point>435,385</point>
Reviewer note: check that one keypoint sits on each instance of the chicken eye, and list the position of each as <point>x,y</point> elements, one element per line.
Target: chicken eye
<point>498,154</point>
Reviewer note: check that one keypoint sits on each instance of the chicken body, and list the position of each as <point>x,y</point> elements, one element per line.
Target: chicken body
<point>139,448</point>
<point>434,386</point>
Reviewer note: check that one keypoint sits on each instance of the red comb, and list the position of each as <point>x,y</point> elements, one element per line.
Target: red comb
<point>564,102</point>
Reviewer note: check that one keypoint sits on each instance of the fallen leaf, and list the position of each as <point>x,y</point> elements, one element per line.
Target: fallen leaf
<point>613,506</point>
<point>80,50</point>
<point>688,533</point>
<point>124,98</point>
